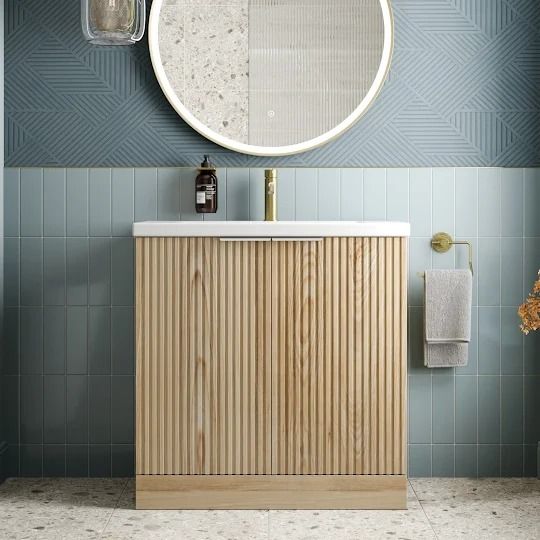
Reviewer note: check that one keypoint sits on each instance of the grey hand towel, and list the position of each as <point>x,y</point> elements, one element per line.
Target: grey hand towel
<point>447,317</point>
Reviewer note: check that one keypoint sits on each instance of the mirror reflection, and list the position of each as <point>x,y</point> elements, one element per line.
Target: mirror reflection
<point>270,72</point>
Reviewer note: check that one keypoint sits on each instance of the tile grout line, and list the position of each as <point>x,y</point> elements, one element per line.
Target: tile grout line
<point>340,194</point>
<point>19,382</point>
<point>522,337</point>
<point>295,198</point>
<point>454,370</point>
<point>42,269</point>
<point>126,481</point>
<point>109,309</point>
<point>408,373</point>
<point>363,194</point>
<point>87,337</point>
<point>431,193</point>
<point>500,314</point>
<point>317,193</point>
<point>423,510</point>
<point>477,311</point>
<point>65,330</point>
<point>427,517</point>
<point>385,193</point>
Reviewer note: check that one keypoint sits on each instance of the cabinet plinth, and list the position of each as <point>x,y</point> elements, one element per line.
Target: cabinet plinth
<point>262,364</point>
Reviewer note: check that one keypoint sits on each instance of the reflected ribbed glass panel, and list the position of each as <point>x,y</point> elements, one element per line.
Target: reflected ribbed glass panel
<point>311,63</point>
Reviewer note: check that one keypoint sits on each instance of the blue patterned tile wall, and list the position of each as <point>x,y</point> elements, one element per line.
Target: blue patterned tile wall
<point>68,373</point>
<point>462,91</point>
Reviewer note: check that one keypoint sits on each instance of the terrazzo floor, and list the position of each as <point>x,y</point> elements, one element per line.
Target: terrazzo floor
<point>84,508</point>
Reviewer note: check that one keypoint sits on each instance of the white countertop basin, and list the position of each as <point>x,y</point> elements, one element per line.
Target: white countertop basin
<point>274,229</point>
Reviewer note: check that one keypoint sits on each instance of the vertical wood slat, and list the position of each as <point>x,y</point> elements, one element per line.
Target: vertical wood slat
<point>154,360</point>
<point>184,332</point>
<point>373,343</point>
<point>140,346</point>
<point>365,391</point>
<point>340,325</point>
<point>401,385</point>
<point>381,354</point>
<point>328,426</point>
<point>199,364</point>
<point>258,358</point>
<point>389,355</point>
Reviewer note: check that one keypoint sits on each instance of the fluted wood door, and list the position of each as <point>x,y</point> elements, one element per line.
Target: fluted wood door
<point>203,319</point>
<point>339,356</point>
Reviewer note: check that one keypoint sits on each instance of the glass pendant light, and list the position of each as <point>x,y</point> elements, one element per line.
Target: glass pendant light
<point>113,22</point>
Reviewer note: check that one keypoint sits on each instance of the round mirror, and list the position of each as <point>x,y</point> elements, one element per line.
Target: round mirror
<point>271,77</point>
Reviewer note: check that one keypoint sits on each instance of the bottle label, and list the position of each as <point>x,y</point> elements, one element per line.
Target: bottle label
<point>201,197</point>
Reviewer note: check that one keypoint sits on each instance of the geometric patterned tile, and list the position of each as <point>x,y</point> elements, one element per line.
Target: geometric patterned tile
<point>462,91</point>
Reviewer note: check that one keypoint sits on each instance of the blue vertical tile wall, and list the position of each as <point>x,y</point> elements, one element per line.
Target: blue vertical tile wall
<point>68,372</point>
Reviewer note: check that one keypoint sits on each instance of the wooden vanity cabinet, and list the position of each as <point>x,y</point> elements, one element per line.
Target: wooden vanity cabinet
<point>270,374</point>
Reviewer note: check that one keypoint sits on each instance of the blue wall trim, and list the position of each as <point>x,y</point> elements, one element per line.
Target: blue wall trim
<point>69,365</point>
<point>462,91</point>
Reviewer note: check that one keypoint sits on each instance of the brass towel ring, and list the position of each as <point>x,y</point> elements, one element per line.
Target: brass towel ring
<point>442,242</point>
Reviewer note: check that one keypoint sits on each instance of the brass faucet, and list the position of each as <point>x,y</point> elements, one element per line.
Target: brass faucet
<point>270,178</point>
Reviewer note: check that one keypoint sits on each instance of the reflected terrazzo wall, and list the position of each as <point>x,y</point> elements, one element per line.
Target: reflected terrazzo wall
<point>204,50</point>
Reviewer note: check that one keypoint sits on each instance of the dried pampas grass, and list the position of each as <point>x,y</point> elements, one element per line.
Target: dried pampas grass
<point>529,311</point>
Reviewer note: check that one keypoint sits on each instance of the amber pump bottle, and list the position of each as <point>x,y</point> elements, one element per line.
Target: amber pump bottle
<point>206,188</point>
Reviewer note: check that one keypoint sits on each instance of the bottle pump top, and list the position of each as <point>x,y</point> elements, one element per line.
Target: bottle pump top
<point>207,164</point>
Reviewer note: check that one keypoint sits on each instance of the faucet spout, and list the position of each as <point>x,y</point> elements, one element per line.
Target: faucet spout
<point>270,178</point>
